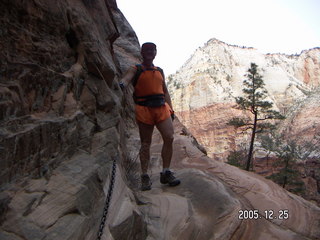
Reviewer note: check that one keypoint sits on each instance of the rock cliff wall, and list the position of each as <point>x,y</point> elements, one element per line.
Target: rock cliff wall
<point>59,71</point>
<point>204,89</point>
<point>64,122</point>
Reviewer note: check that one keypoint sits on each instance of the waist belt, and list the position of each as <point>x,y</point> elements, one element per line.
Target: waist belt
<point>156,100</point>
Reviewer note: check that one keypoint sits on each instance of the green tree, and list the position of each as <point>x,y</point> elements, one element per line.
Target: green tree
<point>261,109</point>
<point>237,158</point>
<point>288,153</point>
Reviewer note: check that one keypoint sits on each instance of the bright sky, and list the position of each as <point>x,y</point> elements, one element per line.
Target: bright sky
<point>179,27</point>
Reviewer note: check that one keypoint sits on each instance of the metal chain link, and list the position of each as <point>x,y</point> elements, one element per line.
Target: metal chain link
<point>108,200</point>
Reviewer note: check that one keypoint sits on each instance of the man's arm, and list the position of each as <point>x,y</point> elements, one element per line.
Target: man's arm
<point>166,94</point>
<point>126,79</point>
<point>168,99</point>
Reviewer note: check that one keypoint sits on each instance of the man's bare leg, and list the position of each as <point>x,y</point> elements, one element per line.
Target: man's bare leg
<point>166,130</point>
<point>145,132</point>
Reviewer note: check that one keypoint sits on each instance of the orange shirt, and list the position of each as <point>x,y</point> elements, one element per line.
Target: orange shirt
<point>150,82</point>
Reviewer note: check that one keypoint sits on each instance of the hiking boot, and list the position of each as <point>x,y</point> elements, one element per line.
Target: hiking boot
<point>167,177</point>
<point>145,182</point>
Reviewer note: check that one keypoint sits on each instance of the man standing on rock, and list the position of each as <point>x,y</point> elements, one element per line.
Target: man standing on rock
<point>153,107</point>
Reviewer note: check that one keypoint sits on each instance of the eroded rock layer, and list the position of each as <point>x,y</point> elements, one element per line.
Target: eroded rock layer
<point>61,114</point>
<point>204,91</point>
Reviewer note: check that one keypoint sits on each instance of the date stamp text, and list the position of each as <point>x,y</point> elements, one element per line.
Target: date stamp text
<point>267,214</point>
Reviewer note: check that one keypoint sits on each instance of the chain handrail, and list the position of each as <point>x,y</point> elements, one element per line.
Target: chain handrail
<point>108,200</point>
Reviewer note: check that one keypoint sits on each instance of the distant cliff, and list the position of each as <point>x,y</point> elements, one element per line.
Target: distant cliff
<point>213,76</point>
<point>205,87</point>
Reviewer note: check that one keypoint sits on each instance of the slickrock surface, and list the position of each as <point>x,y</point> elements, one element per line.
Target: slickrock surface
<point>205,206</point>
<point>207,203</point>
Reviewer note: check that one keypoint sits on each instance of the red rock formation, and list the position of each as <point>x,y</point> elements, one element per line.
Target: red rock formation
<point>60,114</point>
<point>209,126</point>
<point>311,69</point>
<point>213,77</point>
<point>205,88</point>
<point>212,197</point>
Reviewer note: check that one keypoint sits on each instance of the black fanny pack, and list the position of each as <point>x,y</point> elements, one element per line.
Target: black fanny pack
<point>150,101</point>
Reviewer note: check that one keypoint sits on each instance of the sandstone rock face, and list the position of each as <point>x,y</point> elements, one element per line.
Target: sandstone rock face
<point>215,72</point>
<point>211,197</point>
<point>204,91</point>
<point>58,84</point>
<point>60,114</point>
<point>304,119</point>
<point>64,122</point>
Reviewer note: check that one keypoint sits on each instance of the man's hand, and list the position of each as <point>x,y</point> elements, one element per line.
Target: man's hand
<point>172,116</point>
<point>121,84</point>
<point>126,79</point>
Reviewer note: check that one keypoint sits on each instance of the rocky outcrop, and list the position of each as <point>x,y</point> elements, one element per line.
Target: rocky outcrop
<point>212,196</point>
<point>59,81</point>
<point>303,119</point>
<point>215,72</point>
<point>64,122</point>
<point>204,91</point>
<point>61,115</point>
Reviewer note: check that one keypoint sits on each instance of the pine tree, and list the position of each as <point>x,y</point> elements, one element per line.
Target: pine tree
<point>288,153</point>
<point>261,109</point>
<point>236,158</point>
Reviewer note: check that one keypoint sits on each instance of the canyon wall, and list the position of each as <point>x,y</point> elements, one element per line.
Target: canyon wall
<point>68,136</point>
<point>205,87</point>
<point>62,115</point>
